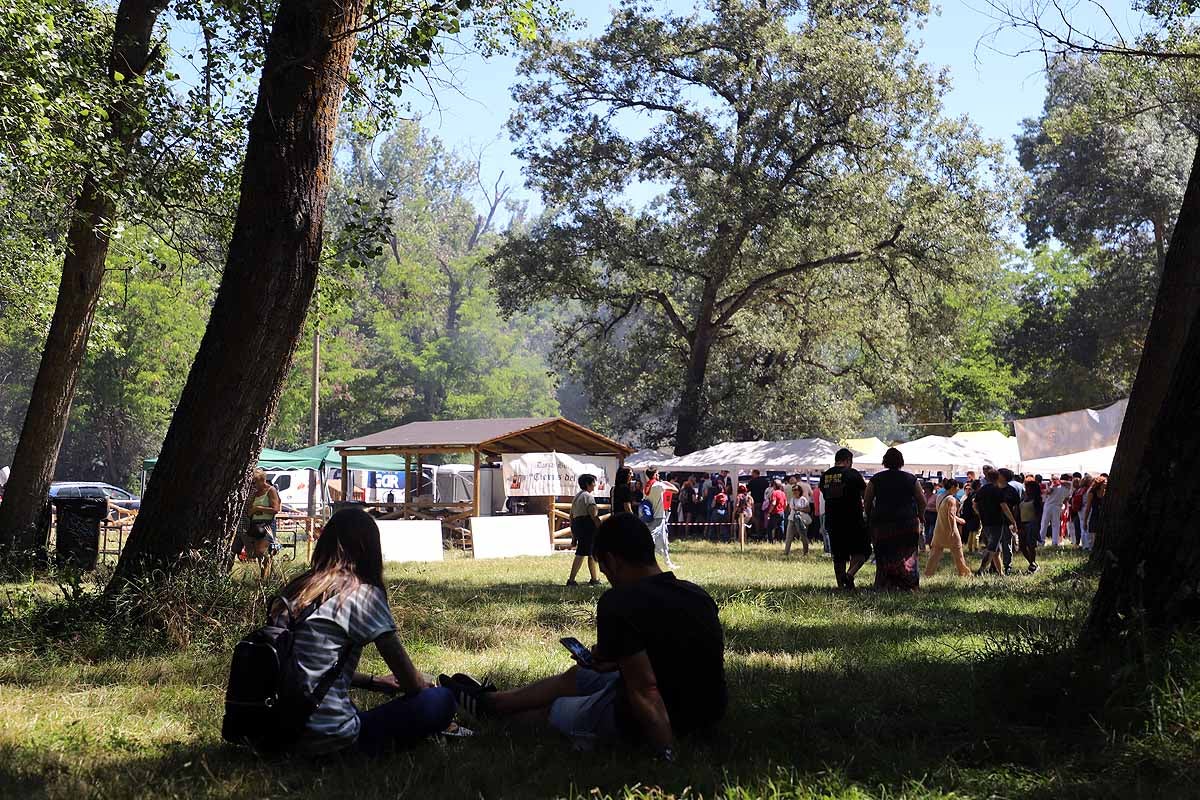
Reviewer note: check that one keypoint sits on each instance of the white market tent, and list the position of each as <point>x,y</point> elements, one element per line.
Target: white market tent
<point>868,451</point>
<point>647,458</point>
<point>995,448</point>
<point>1089,461</point>
<point>788,454</point>
<point>940,454</point>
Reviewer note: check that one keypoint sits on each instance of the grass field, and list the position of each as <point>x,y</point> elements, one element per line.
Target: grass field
<point>956,691</point>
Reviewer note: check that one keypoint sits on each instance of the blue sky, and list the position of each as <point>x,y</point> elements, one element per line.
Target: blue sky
<point>993,83</point>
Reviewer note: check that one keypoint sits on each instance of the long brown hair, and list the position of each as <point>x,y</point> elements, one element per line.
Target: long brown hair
<point>346,556</point>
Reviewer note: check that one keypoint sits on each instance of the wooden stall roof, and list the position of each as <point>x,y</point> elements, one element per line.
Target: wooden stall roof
<point>493,436</point>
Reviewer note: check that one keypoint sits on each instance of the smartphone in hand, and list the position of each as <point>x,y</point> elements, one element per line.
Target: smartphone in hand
<point>577,649</point>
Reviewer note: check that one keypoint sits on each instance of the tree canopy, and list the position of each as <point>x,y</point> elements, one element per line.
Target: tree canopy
<point>788,150</point>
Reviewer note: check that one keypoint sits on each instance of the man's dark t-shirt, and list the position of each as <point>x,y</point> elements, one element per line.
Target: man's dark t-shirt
<point>988,500</point>
<point>842,492</point>
<point>1012,496</point>
<point>758,489</point>
<point>676,623</point>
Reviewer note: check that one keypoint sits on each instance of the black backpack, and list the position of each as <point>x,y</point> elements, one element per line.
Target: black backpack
<point>266,703</point>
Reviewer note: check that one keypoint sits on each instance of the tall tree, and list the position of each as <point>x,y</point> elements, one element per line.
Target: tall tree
<point>1108,164</point>
<point>785,139</point>
<point>270,273</point>
<point>132,54</point>
<point>194,499</point>
<point>1145,547</point>
<point>410,326</point>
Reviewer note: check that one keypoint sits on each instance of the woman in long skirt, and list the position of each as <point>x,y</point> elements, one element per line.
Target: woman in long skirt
<point>894,503</point>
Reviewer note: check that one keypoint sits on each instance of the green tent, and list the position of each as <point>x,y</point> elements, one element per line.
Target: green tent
<point>315,457</point>
<point>325,454</point>
<point>267,459</point>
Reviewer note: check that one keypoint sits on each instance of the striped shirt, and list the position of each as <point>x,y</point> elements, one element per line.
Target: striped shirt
<point>343,621</point>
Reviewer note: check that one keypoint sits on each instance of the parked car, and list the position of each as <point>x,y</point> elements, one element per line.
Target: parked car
<point>124,499</point>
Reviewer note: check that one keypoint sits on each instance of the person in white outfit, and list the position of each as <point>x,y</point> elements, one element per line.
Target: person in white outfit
<point>1052,510</point>
<point>658,524</point>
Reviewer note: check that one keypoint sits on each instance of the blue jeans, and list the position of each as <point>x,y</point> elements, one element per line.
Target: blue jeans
<point>405,720</point>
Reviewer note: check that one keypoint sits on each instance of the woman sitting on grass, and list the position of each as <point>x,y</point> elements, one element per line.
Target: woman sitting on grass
<point>346,585</point>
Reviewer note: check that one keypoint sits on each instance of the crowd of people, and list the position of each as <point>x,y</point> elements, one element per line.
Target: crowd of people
<point>889,517</point>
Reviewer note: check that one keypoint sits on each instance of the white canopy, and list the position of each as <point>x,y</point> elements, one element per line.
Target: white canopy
<point>788,454</point>
<point>1089,461</point>
<point>867,451</point>
<point>940,454</point>
<point>647,458</point>
<point>994,447</point>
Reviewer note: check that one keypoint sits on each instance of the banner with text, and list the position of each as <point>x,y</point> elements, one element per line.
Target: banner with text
<point>555,474</point>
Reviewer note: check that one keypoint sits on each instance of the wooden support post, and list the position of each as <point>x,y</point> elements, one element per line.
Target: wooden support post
<point>420,476</point>
<point>550,517</point>
<point>345,478</point>
<point>475,493</point>
<point>407,497</point>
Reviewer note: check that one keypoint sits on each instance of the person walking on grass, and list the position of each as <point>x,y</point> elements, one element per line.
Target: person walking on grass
<point>622,492</point>
<point>1052,510</point>
<point>659,493</point>
<point>759,485</point>
<point>775,506</point>
<point>970,530</point>
<point>584,521</point>
<point>842,489</point>
<point>799,520</point>
<point>347,609</point>
<point>946,534</point>
<point>261,507</point>
<point>931,512</point>
<point>894,502</point>
<point>1031,515</point>
<point>657,672</point>
<point>996,517</point>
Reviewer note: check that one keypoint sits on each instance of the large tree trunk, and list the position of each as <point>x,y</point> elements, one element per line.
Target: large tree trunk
<point>194,501</point>
<point>693,404</point>
<point>1147,543</point>
<point>78,292</point>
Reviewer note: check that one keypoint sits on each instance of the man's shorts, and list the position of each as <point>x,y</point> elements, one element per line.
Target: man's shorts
<point>591,717</point>
<point>993,535</point>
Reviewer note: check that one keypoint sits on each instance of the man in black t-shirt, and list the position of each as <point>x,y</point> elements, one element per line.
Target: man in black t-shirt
<point>842,489</point>
<point>994,503</point>
<point>658,668</point>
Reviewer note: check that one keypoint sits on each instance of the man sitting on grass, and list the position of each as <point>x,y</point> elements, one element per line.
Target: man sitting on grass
<point>658,668</point>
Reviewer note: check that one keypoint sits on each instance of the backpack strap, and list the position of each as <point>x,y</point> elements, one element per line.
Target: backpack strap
<point>326,682</point>
<point>294,621</point>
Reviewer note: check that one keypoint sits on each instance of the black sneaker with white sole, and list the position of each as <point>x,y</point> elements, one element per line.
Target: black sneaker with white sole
<point>472,696</point>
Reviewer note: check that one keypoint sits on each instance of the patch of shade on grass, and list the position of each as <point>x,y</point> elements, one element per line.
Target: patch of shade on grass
<point>834,695</point>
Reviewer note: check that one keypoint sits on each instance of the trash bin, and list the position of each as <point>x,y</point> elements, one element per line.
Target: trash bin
<point>78,535</point>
